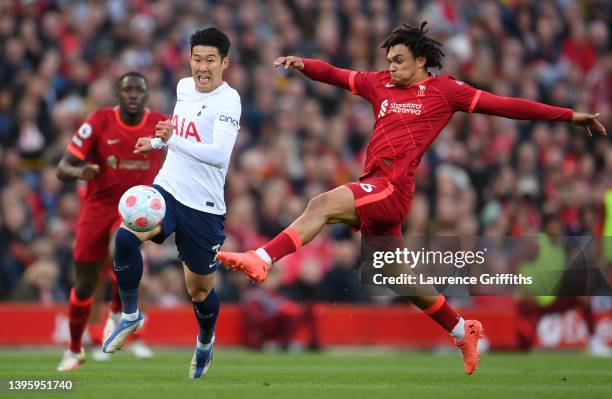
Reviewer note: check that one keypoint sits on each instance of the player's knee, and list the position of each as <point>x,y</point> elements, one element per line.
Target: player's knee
<point>198,294</point>
<point>85,287</point>
<point>125,239</point>
<point>142,235</point>
<point>318,204</point>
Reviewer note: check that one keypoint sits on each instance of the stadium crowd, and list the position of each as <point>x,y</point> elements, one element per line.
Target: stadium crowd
<point>483,175</point>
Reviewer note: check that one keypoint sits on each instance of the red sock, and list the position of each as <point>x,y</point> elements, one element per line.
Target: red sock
<point>95,332</point>
<point>78,313</point>
<point>443,314</point>
<point>115,305</point>
<point>287,242</point>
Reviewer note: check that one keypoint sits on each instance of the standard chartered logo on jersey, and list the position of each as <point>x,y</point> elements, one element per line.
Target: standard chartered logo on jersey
<point>398,108</point>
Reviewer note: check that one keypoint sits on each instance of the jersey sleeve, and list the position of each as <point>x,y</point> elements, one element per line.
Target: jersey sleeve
<point>460,95</point>
<point>519,108</point>
<point>85,137</point>
<point>361,83</point>
<point>357,82</point>
<point>227,120</point>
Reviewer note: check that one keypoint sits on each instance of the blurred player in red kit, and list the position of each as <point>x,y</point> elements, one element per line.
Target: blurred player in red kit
<point>411,107</point>
<point>101,153</point>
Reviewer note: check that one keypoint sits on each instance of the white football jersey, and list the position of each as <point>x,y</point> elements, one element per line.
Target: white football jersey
<point>212,119</point>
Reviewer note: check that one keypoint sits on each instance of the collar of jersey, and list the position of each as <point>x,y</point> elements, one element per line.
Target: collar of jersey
<point>429,77</point>
<point>145,116</point>
<point>210,93</point>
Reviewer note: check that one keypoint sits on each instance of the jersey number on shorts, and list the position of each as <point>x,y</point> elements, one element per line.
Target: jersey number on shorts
<point>368,188</point>
<point>215,248</point>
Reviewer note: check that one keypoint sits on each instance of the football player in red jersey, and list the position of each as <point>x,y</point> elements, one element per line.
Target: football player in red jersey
<point>101,153</point>
<point>411,108</point>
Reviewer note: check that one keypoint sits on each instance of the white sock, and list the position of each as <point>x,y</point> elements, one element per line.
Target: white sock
<point>459,330</point>
<point>264,255</point>
<point>202,346</point>
<point>130,316</point>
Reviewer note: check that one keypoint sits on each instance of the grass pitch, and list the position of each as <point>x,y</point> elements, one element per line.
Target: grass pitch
<point>336,375</point>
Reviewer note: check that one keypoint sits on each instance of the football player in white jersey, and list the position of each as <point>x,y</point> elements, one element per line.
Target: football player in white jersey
<point>200,138</point>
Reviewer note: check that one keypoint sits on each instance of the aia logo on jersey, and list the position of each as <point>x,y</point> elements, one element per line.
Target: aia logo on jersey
<point>383,108</point>
<point>421,92</point>
<point>185,131</point>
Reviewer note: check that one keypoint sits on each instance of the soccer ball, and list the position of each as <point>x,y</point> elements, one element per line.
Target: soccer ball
<point>142,208</point>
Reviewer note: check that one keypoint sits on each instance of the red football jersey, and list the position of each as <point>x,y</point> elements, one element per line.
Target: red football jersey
<point>408,119</point>
<point>105,140</point>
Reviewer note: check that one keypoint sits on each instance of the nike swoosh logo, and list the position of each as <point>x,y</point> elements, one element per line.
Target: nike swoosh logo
<point>212,265</point>
<point>389,85</point>
<point>112,141</point>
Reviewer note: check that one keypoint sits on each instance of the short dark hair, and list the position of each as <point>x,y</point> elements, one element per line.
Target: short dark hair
<point>211,37</point>
<point>415,39</point>
<point>132,73</point>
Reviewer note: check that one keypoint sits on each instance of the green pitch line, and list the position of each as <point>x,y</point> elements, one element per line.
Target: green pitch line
<point>335,375</point>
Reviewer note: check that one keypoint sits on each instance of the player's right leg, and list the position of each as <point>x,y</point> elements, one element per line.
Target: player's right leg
<point>128,267</point>
<point>138,347</point>
<point>81,299</point>
<point>335,206</point>
<point>90,251</point>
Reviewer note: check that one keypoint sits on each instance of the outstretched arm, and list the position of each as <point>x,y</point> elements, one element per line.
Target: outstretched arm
<point>317,70</point>
<point>518,108</point>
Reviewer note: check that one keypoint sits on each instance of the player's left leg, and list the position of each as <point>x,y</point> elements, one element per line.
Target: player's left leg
<point>382,209</point>
<point>206,309</point>
<point>466,333</point>
<point>199,235</point>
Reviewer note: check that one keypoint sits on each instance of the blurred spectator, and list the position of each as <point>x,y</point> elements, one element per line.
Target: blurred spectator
<point>271,321</point>
<point>39,284</point>
<point>484,175</point>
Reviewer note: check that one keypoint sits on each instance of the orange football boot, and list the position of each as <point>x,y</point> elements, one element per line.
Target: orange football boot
<point>469,345</point>
<point>247,262</point>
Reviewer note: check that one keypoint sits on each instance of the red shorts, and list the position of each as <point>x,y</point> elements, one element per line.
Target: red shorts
<point>381,207</point>
<point>94,230</point>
